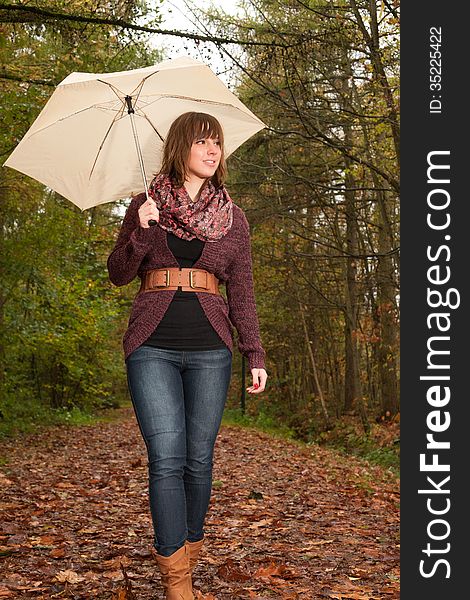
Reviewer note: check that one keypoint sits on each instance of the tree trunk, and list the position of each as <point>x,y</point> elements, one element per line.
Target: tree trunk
<point>353,397</point>
<point>309,343</point>
<point>388,328</point>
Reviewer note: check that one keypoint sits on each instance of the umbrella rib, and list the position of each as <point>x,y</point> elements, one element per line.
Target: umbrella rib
<point>200,100</point>
<point>139,92</point>
<point>116,117</point>
<point>141,84</point>
<point>180,97</point>
<point>142,114</point>
<point>115,90</point>
<point>121,98</point>
<point>144,79</point>
<point>63,119</point>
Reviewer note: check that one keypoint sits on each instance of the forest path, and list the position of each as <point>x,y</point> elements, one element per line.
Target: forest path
<point>285,521</point>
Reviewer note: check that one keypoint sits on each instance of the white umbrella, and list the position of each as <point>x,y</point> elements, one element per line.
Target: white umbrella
<point>83,143</point>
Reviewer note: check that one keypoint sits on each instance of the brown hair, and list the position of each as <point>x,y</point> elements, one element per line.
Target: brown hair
<point>184,130</point>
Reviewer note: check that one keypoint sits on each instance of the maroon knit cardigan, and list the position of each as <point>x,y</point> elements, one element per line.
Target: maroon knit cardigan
<point>139,249</point>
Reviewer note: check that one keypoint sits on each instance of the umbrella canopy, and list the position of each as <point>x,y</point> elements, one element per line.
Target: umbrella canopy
<point>81,145</point>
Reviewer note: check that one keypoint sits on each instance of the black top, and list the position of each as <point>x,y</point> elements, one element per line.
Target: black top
<point>185,326</point>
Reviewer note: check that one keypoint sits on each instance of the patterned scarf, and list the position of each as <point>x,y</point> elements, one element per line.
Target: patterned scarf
<point>209,218</point>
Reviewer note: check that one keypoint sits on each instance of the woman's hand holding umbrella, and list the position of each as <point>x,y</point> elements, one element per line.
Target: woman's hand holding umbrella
<point>149,214</point>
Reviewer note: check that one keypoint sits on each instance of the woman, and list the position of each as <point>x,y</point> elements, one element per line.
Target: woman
<point>179,341</point>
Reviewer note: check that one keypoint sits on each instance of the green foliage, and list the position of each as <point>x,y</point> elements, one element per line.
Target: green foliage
<point>61,320</point>
<point>262,420</point>
<point>32,415</point>
<point>346,438</point>
<point>60,314</point>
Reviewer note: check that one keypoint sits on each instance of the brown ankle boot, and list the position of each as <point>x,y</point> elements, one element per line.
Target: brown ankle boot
<point>176,576</point>
<point>194,549</point>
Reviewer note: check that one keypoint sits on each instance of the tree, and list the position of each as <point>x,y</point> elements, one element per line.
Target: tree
<point>60,318</point>
<point>323,177</point>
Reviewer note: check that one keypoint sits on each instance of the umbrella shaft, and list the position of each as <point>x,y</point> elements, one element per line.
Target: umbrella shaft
<point>137,145</point>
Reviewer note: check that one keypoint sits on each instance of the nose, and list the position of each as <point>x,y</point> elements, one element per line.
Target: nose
<point>212,147</point>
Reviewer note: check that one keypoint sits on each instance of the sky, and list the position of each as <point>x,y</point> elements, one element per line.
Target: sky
<point>178,17</point>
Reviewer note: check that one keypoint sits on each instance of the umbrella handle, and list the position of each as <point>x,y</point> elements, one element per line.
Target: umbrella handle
<point>151,222</point>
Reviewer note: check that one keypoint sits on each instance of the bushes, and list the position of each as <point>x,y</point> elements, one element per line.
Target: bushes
<point>62,318</point>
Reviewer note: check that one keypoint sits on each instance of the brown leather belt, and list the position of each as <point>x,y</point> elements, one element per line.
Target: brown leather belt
<point>190,280</point>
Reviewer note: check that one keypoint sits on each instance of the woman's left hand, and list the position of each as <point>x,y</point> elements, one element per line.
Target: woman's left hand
<point>259,381</point>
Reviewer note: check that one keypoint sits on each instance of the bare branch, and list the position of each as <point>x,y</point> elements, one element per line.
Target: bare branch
<point>21,13</point>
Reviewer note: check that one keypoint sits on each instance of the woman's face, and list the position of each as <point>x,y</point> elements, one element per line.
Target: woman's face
<point>204,158</point>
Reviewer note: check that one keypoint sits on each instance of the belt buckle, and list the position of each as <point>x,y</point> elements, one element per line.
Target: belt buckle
<point>191,282</point>
<point>167,280</point>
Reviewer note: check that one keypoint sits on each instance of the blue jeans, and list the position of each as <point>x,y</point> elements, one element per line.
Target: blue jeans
<point>178,398</point>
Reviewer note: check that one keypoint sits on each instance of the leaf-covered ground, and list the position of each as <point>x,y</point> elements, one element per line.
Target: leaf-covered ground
<point>285,522</point>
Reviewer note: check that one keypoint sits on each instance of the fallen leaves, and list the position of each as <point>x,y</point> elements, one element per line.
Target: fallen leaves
<point>200,596</point>
<point>4,481</point>
<point>230,571</point>
<point>117,562</point>
<point>262,523</point>
<point>274,570</point>
<point>293,523</point>
<point>311,545</point>
<point>125,592</point>
<point>57,553</point>
<point>68,576</point>
<point>352,596</point>
<point>350,591</point>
